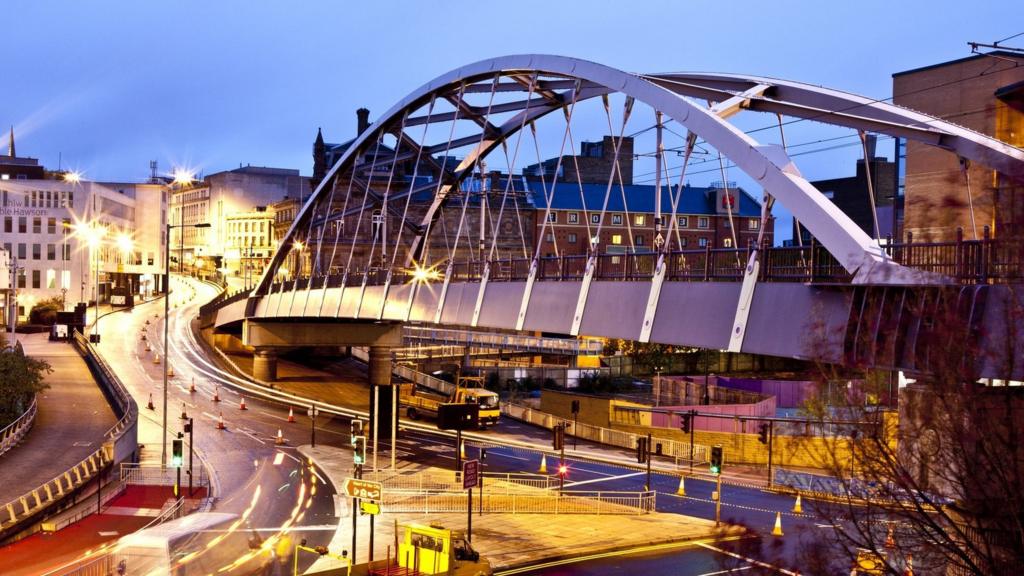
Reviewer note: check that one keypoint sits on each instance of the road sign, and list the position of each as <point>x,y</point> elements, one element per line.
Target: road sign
<point>368,507</point>
<point>470,473</point>
<point>356,488</point>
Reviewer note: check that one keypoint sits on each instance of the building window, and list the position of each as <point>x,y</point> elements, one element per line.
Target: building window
<point>550,238</point>
<point>36,278</point>
<point>753,224</point>
<point>21,251</point>
<point>616,239</point>
<point>51,278</point>
<point>727,242</point>
<point>22,224</point>
<point>595,218</point>
<point>639,219</point>
<point>149,258</point>
<point>51,251</point>
<point>702,242</point>
<point>8,225</point>
<point>572,238</point>
<point>639,240</point>
<point>37,225</point>
<point>21,279</point>
<point>702,222</point>
<point>682,242</point>
<point>65,279</point>
<point>552,217</point>
<point>573,218</point>
<point>726,223</point>
<point>51,226</point>
<point>617,219</point>
<point>37,252</point>
<point>682,222</point>
<point>67,252</point>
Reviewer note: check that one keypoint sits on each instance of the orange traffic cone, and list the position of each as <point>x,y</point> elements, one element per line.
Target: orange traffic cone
<point>147,347</point>
<point>241,405</point>
<point>777,530</point>
<point>797,508</point>
<point>543,464</point>
<point>216,393</point>
<point>192,386</point>
<point>156,358</point>
<point>462,450</point>
<point>150,406</point>
<point>291,414</point>
<point>170,371</point>
<point>184,415</point>
<point>682,487</point>
<point>280,438</point>
<point>220,422</point>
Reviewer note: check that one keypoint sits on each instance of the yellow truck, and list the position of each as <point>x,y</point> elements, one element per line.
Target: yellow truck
<point>424,404</point>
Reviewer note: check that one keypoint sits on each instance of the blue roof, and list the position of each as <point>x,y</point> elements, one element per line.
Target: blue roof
<point>640,198</point>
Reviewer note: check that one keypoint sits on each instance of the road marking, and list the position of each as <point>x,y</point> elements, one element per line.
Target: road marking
<point>748,567</point>
<point>745,559</point>
<point>595,471</point>
<point>278,458</point>
<point>602,479</point>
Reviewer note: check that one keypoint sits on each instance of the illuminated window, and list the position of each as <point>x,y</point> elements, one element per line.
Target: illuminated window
<point>702,242</point>
<point>753,224</point>
<point>572,238</point>
<point>616,239</point>
<point>727,242</point>
<point>639,219</point>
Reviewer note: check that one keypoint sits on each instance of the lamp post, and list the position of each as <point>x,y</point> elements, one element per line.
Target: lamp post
<point>96,234</point>
<point>167,310</point>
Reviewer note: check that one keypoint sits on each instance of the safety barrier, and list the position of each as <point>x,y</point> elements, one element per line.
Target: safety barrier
<point>135,474</point>
<point>15,431</point>
<point>537,502</point>
<point>121,444</point>
<point>501,340</point>
<point>608,436</point>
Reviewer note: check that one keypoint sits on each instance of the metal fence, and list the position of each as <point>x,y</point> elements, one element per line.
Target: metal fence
<point>451,481</point>
<point>135,474</point>
<point>501,341</point>
<point>15,431</point>
<point>538,502</point>
<point>608,436</point>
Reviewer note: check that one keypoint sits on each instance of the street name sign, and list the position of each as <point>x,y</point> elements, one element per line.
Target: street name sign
<point>356,488</point>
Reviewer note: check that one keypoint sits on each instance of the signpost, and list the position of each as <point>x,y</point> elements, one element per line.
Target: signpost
<point>360,491</point>
<point>470,478</point>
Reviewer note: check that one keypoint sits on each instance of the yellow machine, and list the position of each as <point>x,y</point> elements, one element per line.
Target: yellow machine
<point>433,549</point>
<point>418,404</point>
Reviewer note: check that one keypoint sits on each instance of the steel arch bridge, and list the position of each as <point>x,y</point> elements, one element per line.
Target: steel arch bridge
<point>367,244</point>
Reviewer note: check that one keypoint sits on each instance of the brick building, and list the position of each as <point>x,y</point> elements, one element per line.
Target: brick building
<point>983,92</point>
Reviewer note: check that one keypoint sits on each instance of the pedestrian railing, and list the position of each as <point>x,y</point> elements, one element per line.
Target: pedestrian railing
<point>501,340</point>
<point>15,431</point>
<point>449,481</point>
<point>607,436</point>
<point>38,499</point>
<point>138,475</point>
<point>536,502</point>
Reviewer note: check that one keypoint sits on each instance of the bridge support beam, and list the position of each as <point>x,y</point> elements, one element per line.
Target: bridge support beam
<point>264,364</point>
<point>382,395</point>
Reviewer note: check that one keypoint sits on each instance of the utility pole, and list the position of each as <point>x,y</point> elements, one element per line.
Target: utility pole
<point>189,428</point>
<point>771,445</point>
<point>693,424</point>
<point>648,461</point>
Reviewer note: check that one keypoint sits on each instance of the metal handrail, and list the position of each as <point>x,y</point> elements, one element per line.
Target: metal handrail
<point>126,405</point>
<point>15,431</point>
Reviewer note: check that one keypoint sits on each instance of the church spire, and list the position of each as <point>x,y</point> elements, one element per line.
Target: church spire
<point>10,147</point>
<point>319,159</point>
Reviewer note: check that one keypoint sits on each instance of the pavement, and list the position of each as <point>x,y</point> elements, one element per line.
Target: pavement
<point>507,540</point>
<point>73,416</point>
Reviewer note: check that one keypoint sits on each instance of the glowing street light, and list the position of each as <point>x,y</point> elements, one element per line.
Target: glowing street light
<point>73,177</point>
<point>125,243</point>
<point>182,177</point>
<point>423,275</point>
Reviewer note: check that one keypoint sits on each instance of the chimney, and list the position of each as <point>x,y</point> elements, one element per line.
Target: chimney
<point>362,120</point>
<point>872,141</point>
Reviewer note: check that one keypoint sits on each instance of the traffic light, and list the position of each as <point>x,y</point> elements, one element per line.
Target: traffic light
<point>716,459</point>
<point>575,406</point>
<point>558,437</point>
<point>684,423</point>
<point>762,433</point>
<point>187,426</point>
<point>359,451</point>
<point>563,470</point>
<point>642,450</point>
<point>177,448</point>
<point>356,427</point>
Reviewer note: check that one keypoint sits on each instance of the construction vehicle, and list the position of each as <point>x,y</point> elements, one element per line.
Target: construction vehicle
<point>468,390</point>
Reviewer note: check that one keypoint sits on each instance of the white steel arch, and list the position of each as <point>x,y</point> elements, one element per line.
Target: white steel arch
<point>768,164</point>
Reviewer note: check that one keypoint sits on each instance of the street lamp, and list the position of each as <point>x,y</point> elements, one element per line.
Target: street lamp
<point>95,234</point>
<point>125,244</point>
<point>167,310</point>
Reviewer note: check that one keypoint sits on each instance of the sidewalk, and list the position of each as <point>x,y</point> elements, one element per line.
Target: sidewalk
<point>72,419</point>
<point>505,540</point>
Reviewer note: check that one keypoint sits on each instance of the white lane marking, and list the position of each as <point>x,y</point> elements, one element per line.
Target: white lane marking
<point>592,471</point>
<point>581,482</point>
<point>747,567</point>
<point>500,455</point>
<point>278,458</point>
<point>745,559</point>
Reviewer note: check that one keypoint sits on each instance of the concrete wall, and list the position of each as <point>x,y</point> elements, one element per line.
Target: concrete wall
<point>594,410</point>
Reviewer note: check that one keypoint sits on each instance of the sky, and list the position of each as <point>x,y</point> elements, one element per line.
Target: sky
<point>104,87</point>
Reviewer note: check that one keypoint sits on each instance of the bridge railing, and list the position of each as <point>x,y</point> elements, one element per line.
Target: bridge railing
<point>539,502</point>
<point>15,431</point>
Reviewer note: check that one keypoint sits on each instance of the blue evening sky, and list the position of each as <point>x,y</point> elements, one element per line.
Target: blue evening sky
<point>109,86</point>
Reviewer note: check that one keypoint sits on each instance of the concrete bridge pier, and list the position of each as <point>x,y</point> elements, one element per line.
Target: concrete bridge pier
<point>264,364</point>
<point>382,396</point>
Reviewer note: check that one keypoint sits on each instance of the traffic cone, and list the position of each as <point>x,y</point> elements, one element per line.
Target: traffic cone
<point>280,438</point>
<point>150,406</point>
<point>156,358</point>
<point>777,530</point>
<point>220,422</point>
<point>147,347</point>
<point>184,415</point>
<point>170,371</point>
<point>216,393</point>
<point>682,487</point>
<point>241,405</point>
<point>462,450</point>
<point>797,508</point>
<point>890,541</point>
<point>291,414</point>
<point>192,386</point>
<point>543,464</point>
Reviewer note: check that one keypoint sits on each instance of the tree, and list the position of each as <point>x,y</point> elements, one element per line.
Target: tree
<point>45,312</point>
<point>21,377</point>
<point>942,486</point>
